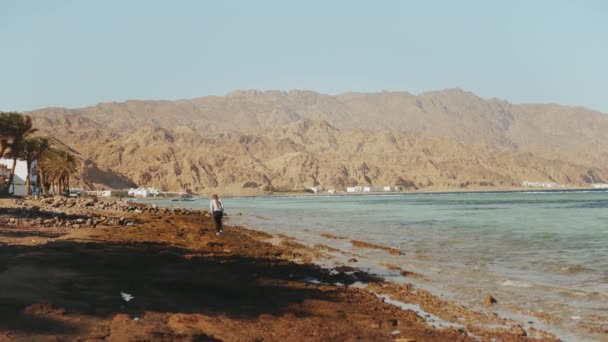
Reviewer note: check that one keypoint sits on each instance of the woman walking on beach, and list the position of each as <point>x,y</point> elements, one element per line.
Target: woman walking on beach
<point>217,210</point>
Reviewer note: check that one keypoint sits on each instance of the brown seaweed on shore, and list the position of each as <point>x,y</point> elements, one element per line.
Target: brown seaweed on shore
<point>330,236</point>
<point>363,244</point>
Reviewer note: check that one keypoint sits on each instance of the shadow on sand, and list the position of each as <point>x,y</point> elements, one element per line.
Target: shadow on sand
<point>36,213</point>
<point>88,278</point>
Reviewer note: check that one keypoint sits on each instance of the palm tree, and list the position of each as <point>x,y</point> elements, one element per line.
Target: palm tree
<point>58,166</point>
<point>21,126</point>
<point>6,132</point>
<point>45,170</point>
<point>43,173</point>
<point>33,148</point>
<point>7,129</point>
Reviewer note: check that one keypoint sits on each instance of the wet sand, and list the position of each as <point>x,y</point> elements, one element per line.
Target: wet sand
<point>61,279</point>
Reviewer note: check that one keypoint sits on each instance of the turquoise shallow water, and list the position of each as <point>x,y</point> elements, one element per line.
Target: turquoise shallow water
<point>542,252</point>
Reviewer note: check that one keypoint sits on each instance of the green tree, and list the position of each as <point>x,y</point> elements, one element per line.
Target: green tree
<point>21,128</point>
<point>33,149</point>
<point>58,167</point>
<point>7,130</point>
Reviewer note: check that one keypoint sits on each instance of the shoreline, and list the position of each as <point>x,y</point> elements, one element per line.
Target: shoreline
<point>395,193</point>
<point>292,290</point>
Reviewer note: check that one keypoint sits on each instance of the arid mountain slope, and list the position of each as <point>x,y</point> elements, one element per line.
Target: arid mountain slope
<point>249,140</point>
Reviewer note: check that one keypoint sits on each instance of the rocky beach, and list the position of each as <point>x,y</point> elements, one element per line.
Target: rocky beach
<point>108,270</point>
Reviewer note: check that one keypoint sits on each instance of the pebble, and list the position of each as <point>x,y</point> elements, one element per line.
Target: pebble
<point>489,301</point>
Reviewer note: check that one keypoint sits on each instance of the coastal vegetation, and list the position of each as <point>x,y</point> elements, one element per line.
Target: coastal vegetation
<point>19,142</point>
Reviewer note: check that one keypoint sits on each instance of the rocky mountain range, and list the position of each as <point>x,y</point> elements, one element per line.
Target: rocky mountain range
<point>251,141</point>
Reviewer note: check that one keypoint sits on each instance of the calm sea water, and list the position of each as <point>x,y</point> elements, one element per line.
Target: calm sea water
<point>541,252</point>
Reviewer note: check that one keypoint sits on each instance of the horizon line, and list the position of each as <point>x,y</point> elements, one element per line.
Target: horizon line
<point>306,90</point>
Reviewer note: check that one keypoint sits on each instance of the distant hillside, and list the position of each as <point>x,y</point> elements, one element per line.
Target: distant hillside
<point>248,140</point>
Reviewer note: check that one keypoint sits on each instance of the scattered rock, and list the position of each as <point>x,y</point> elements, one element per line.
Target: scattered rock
<point>489,301</point>
<point>345,269</point>
<point>519,330</point>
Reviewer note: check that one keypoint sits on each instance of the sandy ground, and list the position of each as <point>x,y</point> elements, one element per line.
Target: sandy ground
<point>61,283</point>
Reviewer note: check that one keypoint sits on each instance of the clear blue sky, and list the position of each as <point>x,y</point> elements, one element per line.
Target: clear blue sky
<point>76,53</point>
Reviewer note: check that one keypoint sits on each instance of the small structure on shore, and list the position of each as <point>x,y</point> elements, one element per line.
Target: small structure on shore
<point>76,192</point>
<point>373,189</point>
<point>143,192</point>
<point>4,174</point>
<point>107,193</point>
<point>20,178</point>
<point>542,185</point>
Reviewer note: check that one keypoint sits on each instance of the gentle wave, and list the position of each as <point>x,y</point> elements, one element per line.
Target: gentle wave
<point>516,283</point>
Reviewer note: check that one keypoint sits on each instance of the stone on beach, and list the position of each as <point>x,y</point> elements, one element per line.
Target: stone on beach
<point>489,301</point>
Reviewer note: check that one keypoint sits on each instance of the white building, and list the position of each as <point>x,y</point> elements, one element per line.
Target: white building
<point>21,175</point>
<point>331,191</point>
<point>315,189</point>
<point>541,185</point>
<point>373,189</point>
<point>75,192</point>
<point>600,186</point>
<point>143,192</point>
<point>106,193</point>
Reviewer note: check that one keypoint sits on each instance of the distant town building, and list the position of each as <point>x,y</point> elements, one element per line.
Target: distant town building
<point>107,193</point>
<point>76,192</point>
<point>599,186</point>
<point>331,191</point>
<point>4,175</point>
<point>541,185</point>
<point>373,189</point>
<point>18,187</point>
<point>143,192</point>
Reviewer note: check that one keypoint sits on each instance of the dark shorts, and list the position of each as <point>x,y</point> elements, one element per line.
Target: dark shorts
<point>217,217</point>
